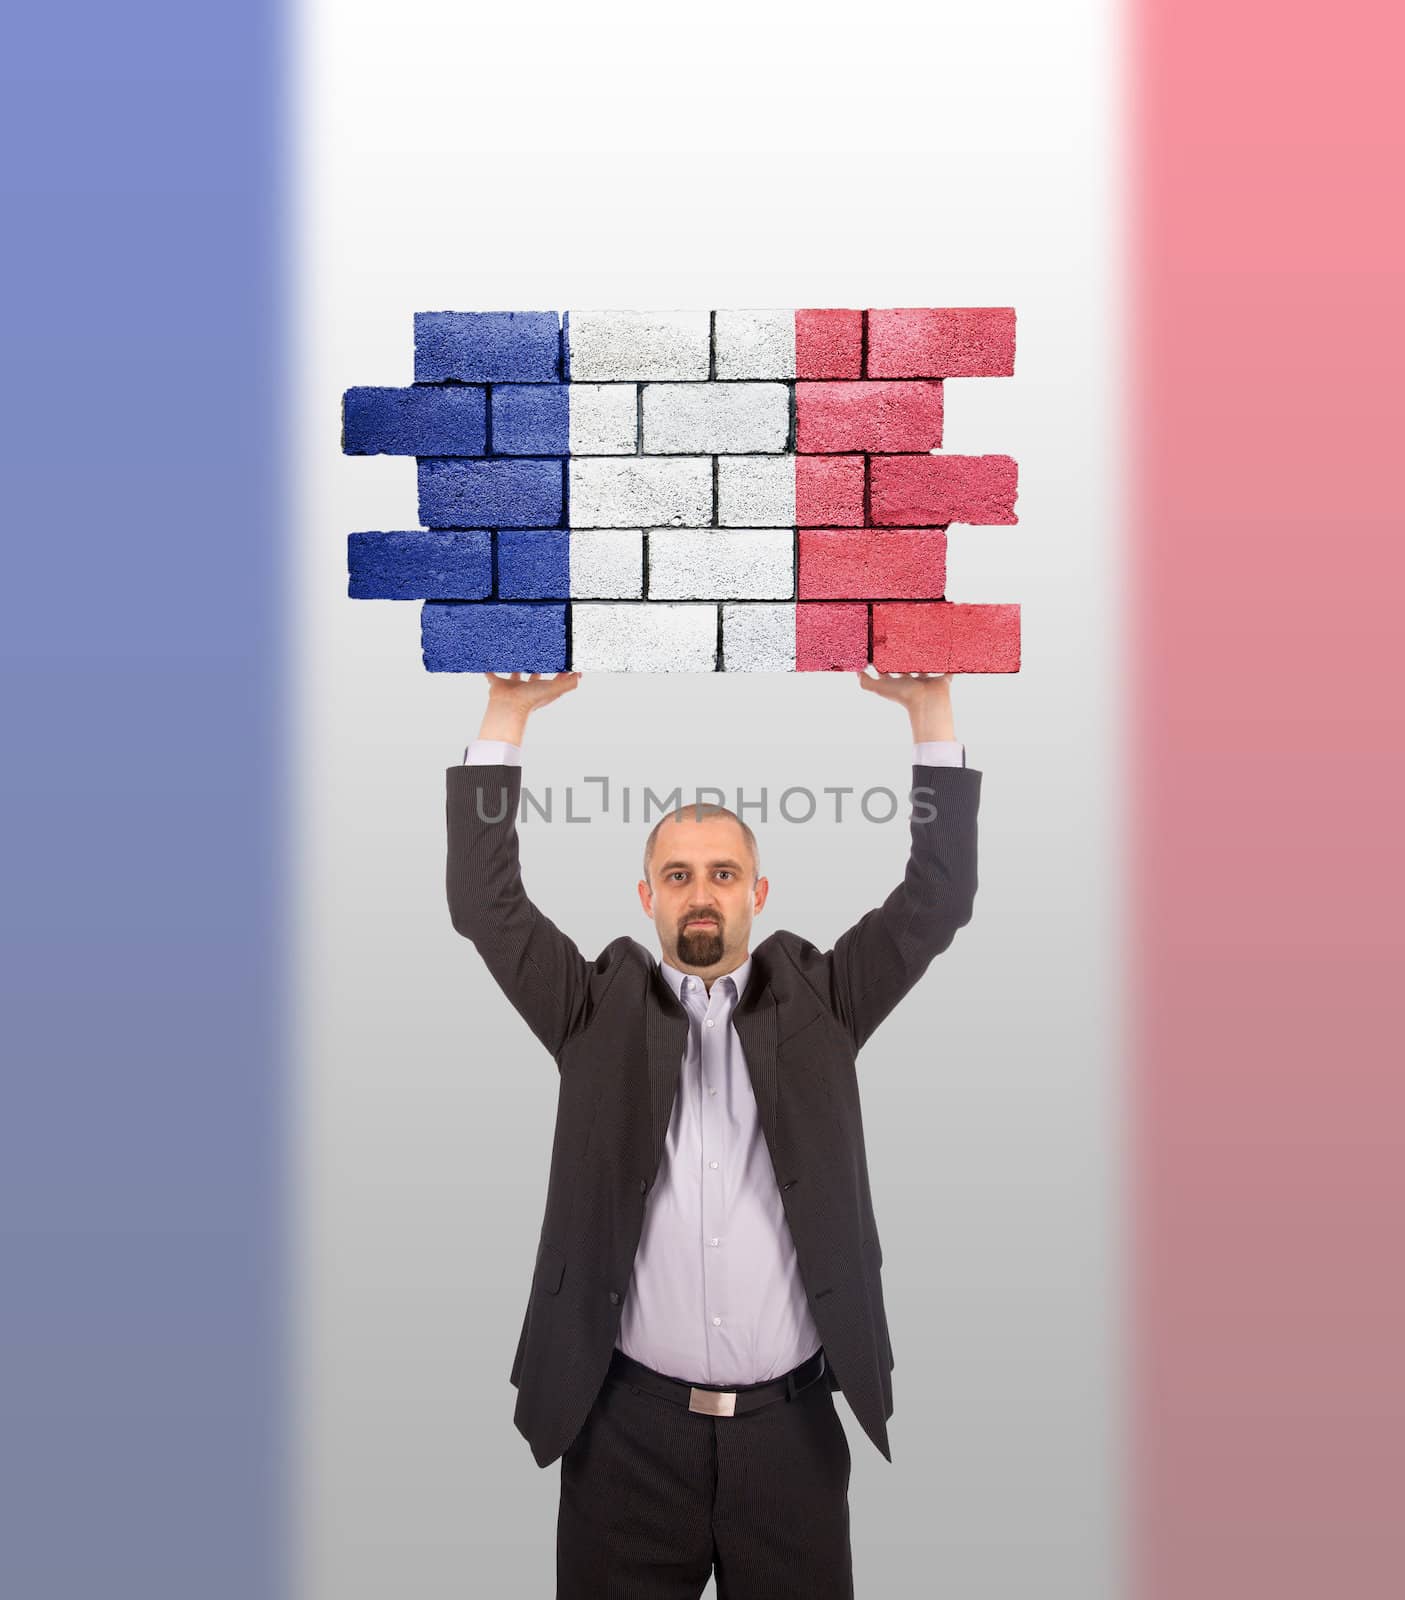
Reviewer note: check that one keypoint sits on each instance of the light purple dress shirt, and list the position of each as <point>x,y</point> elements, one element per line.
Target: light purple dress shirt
<point>716,1294</point>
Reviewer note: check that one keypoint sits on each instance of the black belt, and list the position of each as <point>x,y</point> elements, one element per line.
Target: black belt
<point>711,1399</point>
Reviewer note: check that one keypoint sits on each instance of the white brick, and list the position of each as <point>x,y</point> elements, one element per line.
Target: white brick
<point>606,345</point>
<point>607,563</point>
<point>755,491</point>
<point>713,418</point>
<point>721,564</point>
<point>604,418</point>
<point>643,638</point>
<point>755,344</point>
<point>615,492</point>
<point>758,637</point>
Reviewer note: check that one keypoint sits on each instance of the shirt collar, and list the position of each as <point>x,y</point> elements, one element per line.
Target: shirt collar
<point>738,976</point>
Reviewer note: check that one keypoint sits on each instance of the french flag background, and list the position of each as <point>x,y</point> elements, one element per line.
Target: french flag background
<point>273,1149</point>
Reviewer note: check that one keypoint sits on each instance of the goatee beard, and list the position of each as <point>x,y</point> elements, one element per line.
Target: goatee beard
<point>700,947</point>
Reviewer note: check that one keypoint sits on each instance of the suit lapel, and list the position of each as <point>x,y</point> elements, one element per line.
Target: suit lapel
<point>755,1022</point>
<point>666,1038</point>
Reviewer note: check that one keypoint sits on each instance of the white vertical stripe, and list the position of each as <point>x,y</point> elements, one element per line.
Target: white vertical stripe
<point>460,158</point>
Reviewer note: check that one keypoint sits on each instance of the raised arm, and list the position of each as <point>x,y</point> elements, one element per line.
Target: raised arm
<point>537,966</point>
<point>877,961</point>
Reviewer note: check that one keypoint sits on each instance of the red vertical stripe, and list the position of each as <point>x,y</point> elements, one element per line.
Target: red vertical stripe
<point>1269,559</point>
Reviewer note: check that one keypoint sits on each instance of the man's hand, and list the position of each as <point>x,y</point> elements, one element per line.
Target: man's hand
<point>927,697</point>
<point>513,698</point>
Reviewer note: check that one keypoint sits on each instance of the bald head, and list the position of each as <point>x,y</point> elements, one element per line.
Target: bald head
<point>692,816</point>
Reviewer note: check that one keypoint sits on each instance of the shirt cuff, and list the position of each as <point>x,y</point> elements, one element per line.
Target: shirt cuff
<point>492,752</point>
<point>939,753</point>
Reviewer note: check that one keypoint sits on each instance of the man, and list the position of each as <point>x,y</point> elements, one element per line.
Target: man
<point>709,1267</point>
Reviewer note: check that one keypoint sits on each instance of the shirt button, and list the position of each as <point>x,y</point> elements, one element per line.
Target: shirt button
<point>711,1023</point>
<point>717,1322</point>
<point>712,1163</point>
<point>712,1241</point>
<point>712,1091</point>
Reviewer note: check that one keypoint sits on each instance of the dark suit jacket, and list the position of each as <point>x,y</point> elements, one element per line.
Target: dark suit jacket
<point>618,1033</point>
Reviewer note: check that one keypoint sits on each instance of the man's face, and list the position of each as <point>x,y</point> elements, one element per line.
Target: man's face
<point>700,892</point>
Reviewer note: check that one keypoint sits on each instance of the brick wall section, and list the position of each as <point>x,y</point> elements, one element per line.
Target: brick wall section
<point>932,491</point>
<point>739,490</point>
<point>872,563</point>
<point>911,637</point>
<point>965,342</point>
<point>867,416</point>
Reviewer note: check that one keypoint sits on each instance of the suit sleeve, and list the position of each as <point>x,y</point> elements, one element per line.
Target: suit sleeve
<point>877,961</point>
<point>536,965</point>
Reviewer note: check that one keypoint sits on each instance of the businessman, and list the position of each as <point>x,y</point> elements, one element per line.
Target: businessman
<point>708,1270</point>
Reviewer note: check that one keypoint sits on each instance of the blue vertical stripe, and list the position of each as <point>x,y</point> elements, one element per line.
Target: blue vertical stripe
<point>142,972</point>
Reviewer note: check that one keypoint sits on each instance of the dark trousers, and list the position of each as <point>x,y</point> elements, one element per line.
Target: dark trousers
<point>654,1496</point>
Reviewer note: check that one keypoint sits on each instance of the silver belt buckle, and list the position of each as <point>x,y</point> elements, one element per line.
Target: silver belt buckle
<point>713,1402</point>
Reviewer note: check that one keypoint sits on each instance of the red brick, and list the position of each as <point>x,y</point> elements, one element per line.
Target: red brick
<point>959,342</point>
<point>946,638</point>
<point>828,344</point>
<point>872,563</point>
<point>985,639</point>
<point>925,491</point>
<point>829,491</point>
<point>911,638</point>
<point>867,416</point>
<point>831,638</point>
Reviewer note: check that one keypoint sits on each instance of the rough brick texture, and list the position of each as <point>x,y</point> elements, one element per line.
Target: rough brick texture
<point>534,564</point>
<point>872,563</point>
<point>829,344</point>
<point>759,637</point>
<point>931,491</point>
<point>964,342</point>
<point>606,345</point>
<point>488,636</point>
<point>638,492</point>
<point>715,418</point>
<point>607,563</point>
<point>604,419</point>
<point>829,491</point>
<point>946,638</point>
<point>831,637</point>
<point>492,494</point>
<point>644,638</point>
<point>487,347</point>
<point>420,566</point>
<point>756,491</point>
<point>867,416</point>
<point>721,564</point>
<point>415,422</point>
<point>755,344</point>
<point>752,489</point>
<point>529,419</point>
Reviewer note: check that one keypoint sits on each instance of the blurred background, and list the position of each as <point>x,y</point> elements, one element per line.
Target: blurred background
<point>273,1149</point>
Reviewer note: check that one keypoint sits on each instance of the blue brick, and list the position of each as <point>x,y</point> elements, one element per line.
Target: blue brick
<point>461,636</point>
<point>491,494</point>
<point>529,419</point>
<point>534,564</point>
<point>487,346</point>
<point>449,421</point>
<point>420,566</point>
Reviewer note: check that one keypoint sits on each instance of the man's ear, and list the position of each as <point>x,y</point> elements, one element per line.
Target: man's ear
<point>646,898</point>
<point>763,888</point>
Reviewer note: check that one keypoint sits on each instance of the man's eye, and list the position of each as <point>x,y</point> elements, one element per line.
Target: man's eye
<point>723,872</point>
